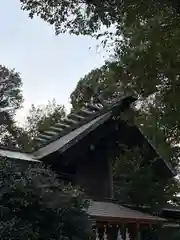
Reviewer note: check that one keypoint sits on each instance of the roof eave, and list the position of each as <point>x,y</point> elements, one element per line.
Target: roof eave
<point>170,171</point>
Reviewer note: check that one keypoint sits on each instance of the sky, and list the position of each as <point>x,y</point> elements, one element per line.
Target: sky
<point>50,66</point>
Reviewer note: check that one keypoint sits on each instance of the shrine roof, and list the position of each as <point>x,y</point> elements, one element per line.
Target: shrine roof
<point>68,131</point>
<point>76,125</point>
<point>113,212</point>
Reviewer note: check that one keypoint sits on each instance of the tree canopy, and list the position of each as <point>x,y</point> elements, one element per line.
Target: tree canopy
<point>109,82</point>
<point>34,204</point>
<point>144,36</point>
<point>145,39</point>
<point>11,99</point>
<point>38,119</point>
<point>145,62</point>
<point>88,16</point>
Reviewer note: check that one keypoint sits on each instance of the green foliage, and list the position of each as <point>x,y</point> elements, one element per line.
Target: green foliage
<point>77,16</point>
<point>105,81</point>
<point>176,234</point>
<point>34,204</point>
<point>142,186</point>
<point>10,100</point>
<point>39,118</point>
<point>169,233</point>
<point>88,16</point>
<point>145,39</point>
<point>150,61</point>
<point>138,183</point>
<point>11,96</point>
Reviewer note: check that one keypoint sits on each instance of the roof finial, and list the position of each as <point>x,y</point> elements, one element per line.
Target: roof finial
<point>98,97</point>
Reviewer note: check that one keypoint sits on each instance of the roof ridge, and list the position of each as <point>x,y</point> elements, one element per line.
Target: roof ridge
<point>66,125</point>
<point>75,120</point>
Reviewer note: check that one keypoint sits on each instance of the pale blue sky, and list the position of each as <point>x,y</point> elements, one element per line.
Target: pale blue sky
<point>50,66</point>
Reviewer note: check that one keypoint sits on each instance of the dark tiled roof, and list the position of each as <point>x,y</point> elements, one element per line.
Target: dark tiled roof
<point>76,119</point>
<point>74,124</point>
<point>66,141</point>
<point>114,211</point>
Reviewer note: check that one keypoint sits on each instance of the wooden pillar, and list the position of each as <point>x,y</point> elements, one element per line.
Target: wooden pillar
<point>138,232</point>
<point>109,150</point>
<point>111,183</point>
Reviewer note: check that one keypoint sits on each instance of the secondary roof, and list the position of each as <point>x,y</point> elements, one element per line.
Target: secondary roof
<point>113,212</point>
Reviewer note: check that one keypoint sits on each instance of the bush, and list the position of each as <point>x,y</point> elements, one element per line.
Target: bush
<point>34,204</point>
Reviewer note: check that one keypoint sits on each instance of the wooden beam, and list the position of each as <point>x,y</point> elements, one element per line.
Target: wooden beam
<point>124,220</point>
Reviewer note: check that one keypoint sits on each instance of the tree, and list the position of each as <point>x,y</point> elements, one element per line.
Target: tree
<point>88,16</point>
<point>137,183</point>
<point>10,91</point>
<point>39,119</point>
<point>34,204</point>
<point>145,39</point>
<point>10,100</point>
<point>108,82</point>
<point>145,61</point>
<point>104,81</point>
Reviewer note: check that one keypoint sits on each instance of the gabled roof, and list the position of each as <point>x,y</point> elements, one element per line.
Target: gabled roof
<point>64,142</point>
<point>77,125</point>
<point>113,212</point>
<point>62,135</point>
